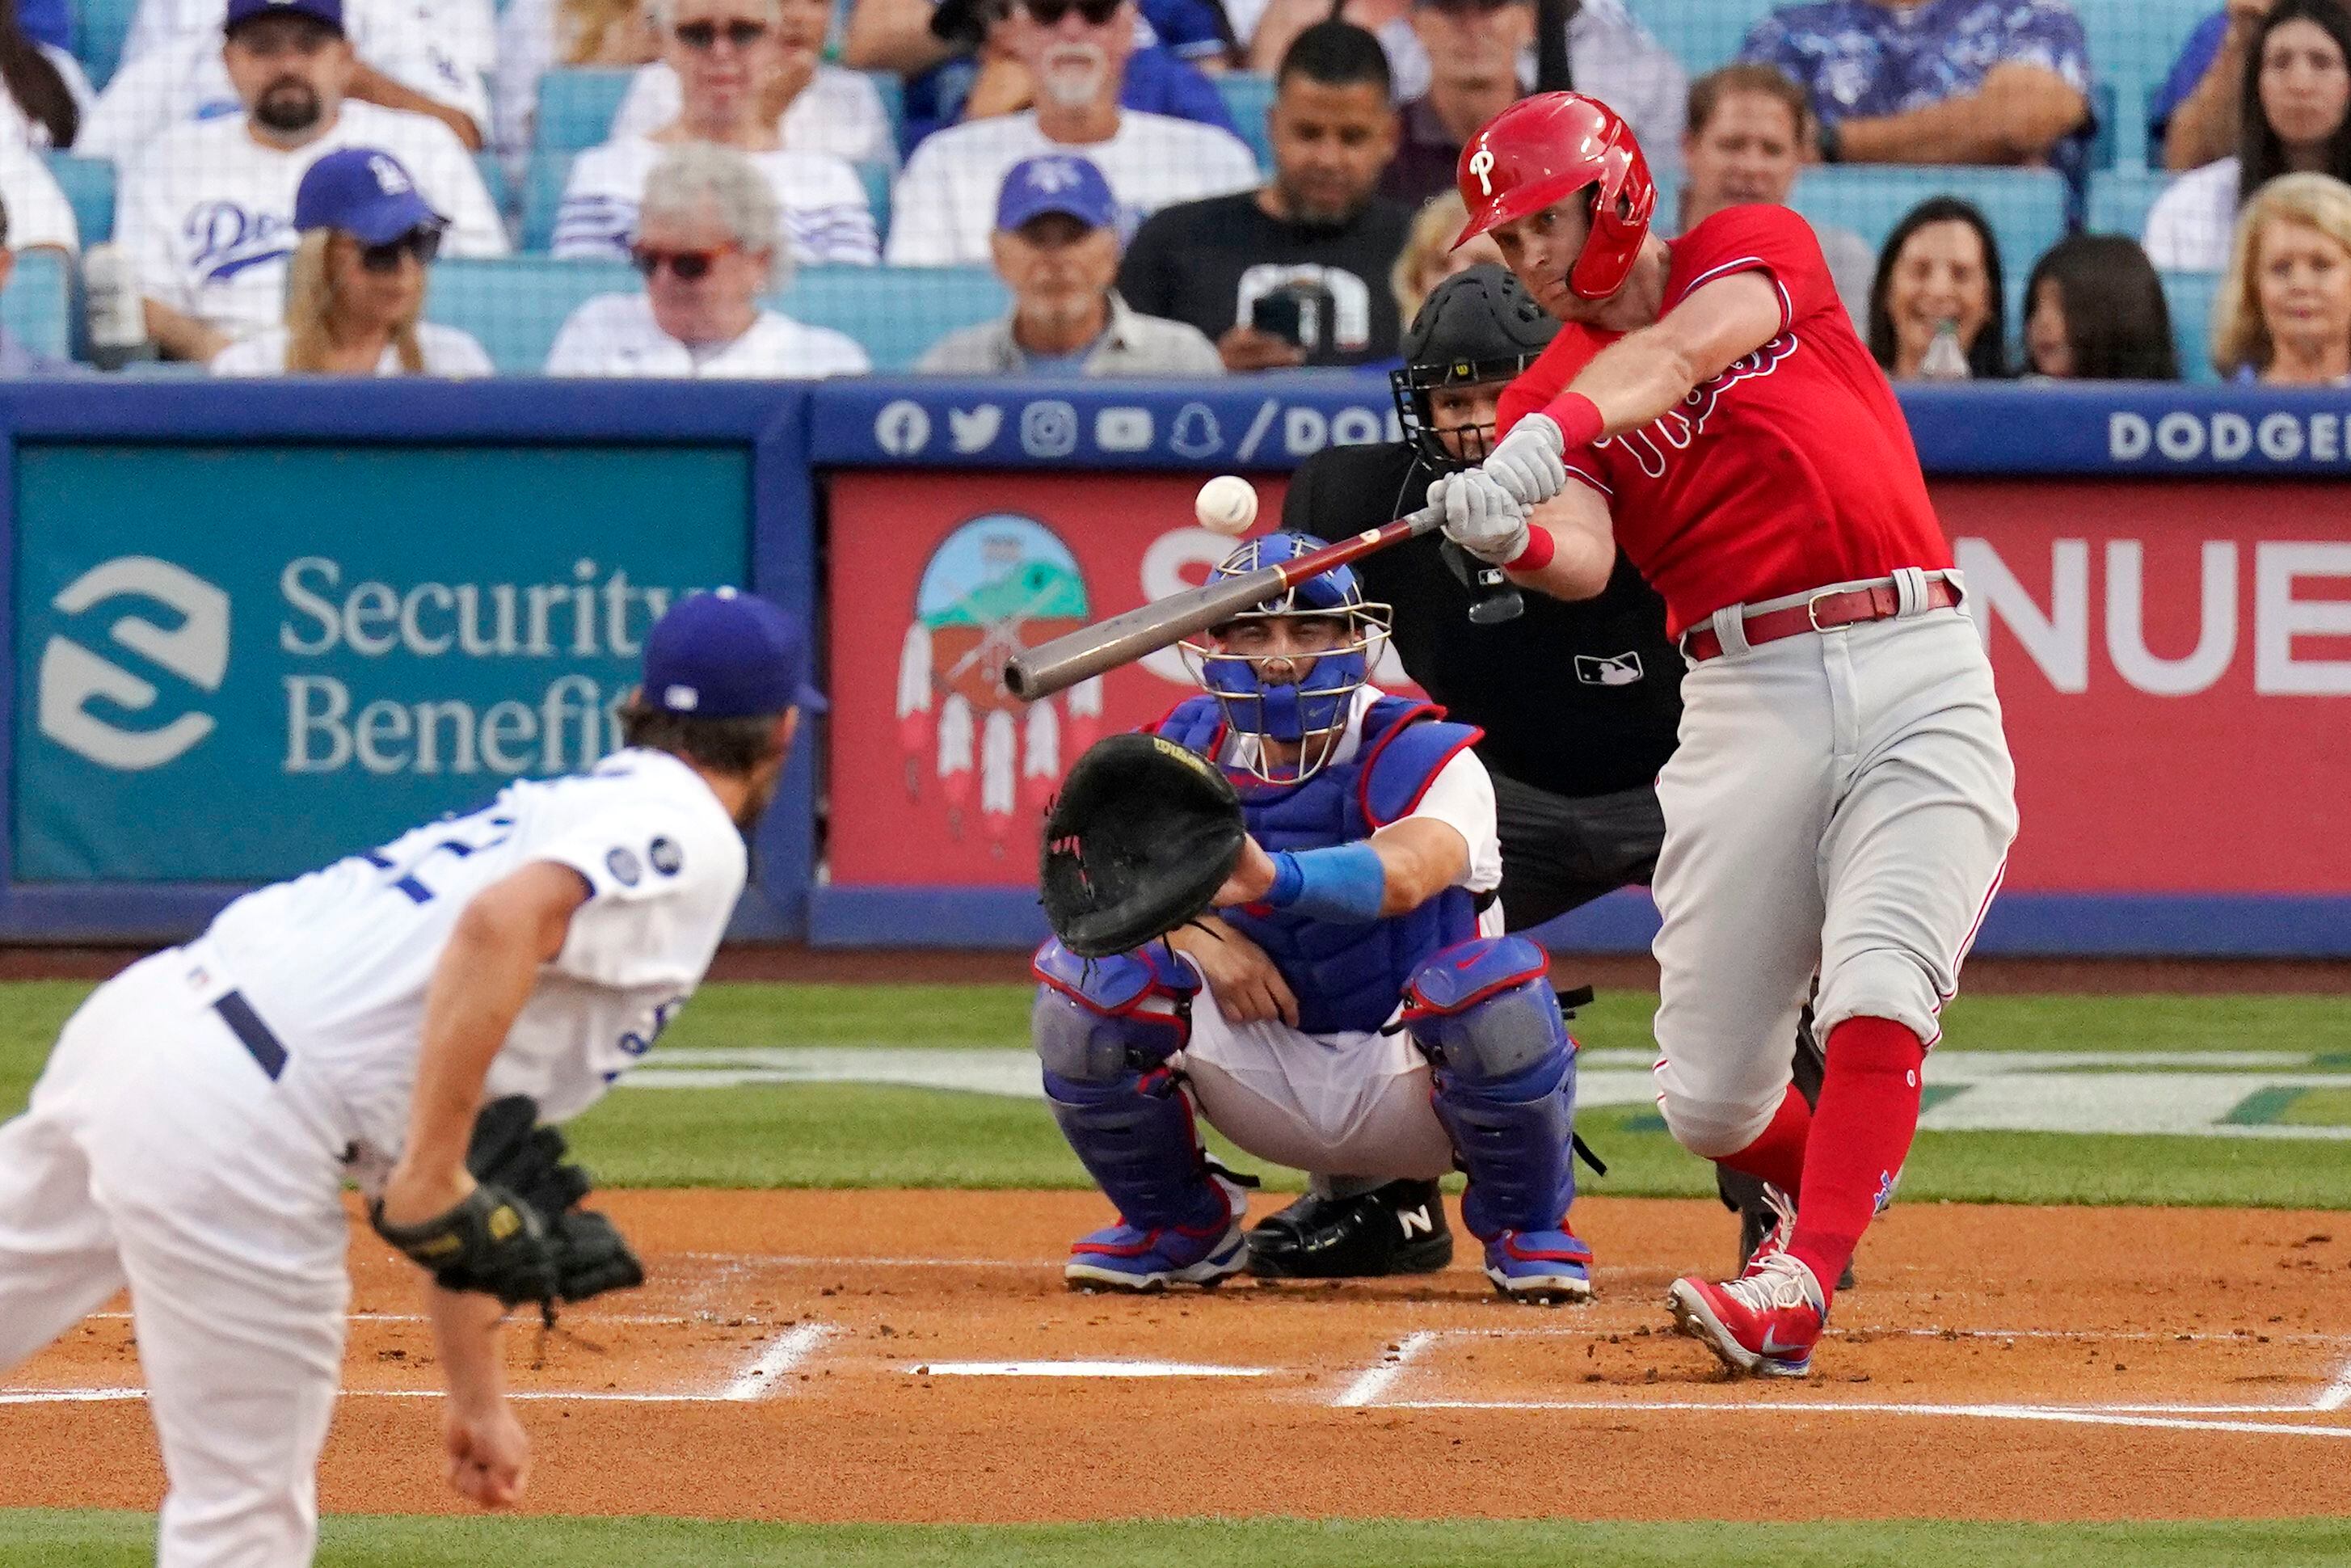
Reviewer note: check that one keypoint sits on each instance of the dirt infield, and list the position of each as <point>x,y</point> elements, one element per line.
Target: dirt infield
<point>914,1356</point>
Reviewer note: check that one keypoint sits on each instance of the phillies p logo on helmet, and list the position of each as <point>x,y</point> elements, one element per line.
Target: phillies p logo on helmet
<point>1544,149</point>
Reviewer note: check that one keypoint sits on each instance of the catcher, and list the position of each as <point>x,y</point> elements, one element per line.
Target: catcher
<point>1350,836</point>
<point>193,1130</point>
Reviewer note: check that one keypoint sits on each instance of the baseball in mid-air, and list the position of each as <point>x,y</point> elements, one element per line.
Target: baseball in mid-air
<point>1227,505</point>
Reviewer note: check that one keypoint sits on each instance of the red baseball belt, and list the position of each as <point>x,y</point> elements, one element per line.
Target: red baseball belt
<point>1821,612</point>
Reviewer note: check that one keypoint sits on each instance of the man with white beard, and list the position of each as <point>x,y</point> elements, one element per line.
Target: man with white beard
<point>1076,50</point>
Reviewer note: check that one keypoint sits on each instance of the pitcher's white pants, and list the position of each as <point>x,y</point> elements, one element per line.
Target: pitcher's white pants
<point>1841,802</point>
<point>157,1154</point>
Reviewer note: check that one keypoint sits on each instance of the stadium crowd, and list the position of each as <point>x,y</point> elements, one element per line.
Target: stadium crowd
<point>1124,187</point>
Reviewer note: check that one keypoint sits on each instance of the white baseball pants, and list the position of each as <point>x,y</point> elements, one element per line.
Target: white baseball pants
<point>1841,803</point>
<point>158,1154</point>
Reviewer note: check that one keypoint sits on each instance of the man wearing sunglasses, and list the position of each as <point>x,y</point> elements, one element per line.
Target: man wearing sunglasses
<point>725,55</point>
<point>946,201</point>
<point>707,244</point>
<point>207,210</point>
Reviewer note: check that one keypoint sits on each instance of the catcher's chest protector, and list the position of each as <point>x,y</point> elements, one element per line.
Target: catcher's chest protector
<point>1346,978</point>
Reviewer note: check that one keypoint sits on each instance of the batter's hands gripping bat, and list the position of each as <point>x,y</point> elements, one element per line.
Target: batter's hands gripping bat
<point>1079,655</point>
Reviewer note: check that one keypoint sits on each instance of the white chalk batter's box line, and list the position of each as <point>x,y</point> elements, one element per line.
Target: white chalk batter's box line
<point>1370,1389</point>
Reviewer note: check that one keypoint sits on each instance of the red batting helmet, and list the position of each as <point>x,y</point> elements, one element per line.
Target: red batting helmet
<point>1552,145</point>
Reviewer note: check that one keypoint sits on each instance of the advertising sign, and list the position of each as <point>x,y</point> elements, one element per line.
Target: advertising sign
<point>238,661</point>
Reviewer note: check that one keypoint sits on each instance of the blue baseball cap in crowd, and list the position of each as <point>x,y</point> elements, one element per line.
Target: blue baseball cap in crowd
<point>329,12</point>
<point>1055,183</point>
<point>364,192</point>
<point>724,655</point>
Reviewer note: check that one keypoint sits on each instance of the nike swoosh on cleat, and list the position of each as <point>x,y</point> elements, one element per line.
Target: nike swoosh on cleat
<point>1772,1346</point>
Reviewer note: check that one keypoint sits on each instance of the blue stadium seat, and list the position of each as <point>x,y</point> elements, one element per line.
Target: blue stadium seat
<point>493,170</point>
<point>877,178</point>
<point>517,305</point>
<point>1701,33</point>
<point>100,27</point>
<point>1248,95</point>
<point>576,106</point>
<point>2189,295</point>
<point>88,186</point>
<point>2026,206</point>
<point>38,304</point>
<point>2119,199</point>
<point>542,195</point>
<point>896,312</point>
<point>893,99</point>
<point>2132,44</point>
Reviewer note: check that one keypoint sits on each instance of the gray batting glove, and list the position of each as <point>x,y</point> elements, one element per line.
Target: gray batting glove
<point>1527,461</point>
<point>1481,517</point>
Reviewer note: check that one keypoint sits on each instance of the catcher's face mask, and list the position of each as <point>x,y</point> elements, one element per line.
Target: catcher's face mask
<point>1288,670</point>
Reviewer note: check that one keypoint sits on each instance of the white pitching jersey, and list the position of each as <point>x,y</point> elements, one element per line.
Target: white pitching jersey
<point>336,963</point>
<point>207,213</point>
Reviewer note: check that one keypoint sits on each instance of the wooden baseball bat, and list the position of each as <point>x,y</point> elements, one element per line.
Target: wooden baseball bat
<point>1079,655</point>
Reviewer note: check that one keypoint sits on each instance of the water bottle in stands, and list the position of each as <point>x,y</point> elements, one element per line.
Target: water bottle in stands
<point>118,322</point>
<point>1945,361</point>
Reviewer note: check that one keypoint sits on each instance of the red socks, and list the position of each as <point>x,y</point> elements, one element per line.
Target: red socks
<point>1868,1117</point>
<point>1778,1154</point>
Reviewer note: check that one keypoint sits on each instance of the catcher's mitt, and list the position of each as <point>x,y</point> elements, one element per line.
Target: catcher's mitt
<point>1141,835</point>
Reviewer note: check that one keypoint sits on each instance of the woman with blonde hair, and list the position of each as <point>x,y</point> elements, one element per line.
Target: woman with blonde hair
<point>2284,314</point>
<point>355,287</point>
<point>1428,258</point>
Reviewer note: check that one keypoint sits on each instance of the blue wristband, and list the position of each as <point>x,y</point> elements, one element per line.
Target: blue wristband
<point>1344,883</point>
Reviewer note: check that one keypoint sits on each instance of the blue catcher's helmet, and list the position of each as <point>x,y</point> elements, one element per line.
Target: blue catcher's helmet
<point>1315,702</point>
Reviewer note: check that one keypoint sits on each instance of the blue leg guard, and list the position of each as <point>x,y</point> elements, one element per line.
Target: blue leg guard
<point>1505,1069</point>
<point>1105,1031</point>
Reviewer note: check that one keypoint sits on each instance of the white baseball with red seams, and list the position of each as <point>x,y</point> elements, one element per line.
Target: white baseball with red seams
<point>1225,505</point>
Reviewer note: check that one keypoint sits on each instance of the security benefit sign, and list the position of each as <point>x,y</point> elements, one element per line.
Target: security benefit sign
<point>235,663</point>
<point>2175,675</point>
<point>939,774</point>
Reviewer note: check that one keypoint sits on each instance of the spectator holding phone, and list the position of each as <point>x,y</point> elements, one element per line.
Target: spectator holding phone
<point>1056,247</point>
<point>1292,273</point>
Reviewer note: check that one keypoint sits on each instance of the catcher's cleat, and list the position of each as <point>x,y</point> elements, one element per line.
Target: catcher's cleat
<point>1540,1268</point>
<point>1125,1257</point>
<point>1398,1228</point>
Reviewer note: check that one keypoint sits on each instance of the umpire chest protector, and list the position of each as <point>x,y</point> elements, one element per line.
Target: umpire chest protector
<point>1346,978</point>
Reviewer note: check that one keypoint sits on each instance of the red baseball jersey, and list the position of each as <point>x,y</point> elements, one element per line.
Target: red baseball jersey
<point>1790,470</point>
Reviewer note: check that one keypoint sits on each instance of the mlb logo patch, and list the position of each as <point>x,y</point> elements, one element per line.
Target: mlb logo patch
<point>1597,670</point>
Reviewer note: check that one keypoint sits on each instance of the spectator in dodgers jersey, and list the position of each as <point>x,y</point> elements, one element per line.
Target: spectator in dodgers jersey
<point>1318,232</point>
<point>426,56</point>
<point>815,106</point>
<point>2283,314</point>
<point>945,201</point>
<point>958,62</point>
<point>2295,118</point>
<point>355,288</point>
<point>707,245</point>
<point>1938,81</point>
<point>725,53</point>
<point>207,211</point>
<point>1751,134</point>
<point>16,359</point>
<point>1057,250</point>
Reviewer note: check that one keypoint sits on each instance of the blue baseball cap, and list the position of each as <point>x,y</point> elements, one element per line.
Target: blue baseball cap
<point>365,194</point>
<point>329,12</point>
<point>726,654</point>
<point>1055,183</point>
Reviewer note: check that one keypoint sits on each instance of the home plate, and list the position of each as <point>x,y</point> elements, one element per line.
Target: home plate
<point>1082,1369</point>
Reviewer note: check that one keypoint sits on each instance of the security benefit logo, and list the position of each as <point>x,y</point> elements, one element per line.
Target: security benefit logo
<point>995,585</point>
<point>131,716</point>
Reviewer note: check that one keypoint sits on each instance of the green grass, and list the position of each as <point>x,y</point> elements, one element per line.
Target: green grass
<point>54,1540</point>
<point>859,1136</point>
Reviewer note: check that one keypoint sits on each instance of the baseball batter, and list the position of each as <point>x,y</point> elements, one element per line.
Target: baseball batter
<point>192,1132</point>
<point>1842,800</point>
<point>1366,881</point>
